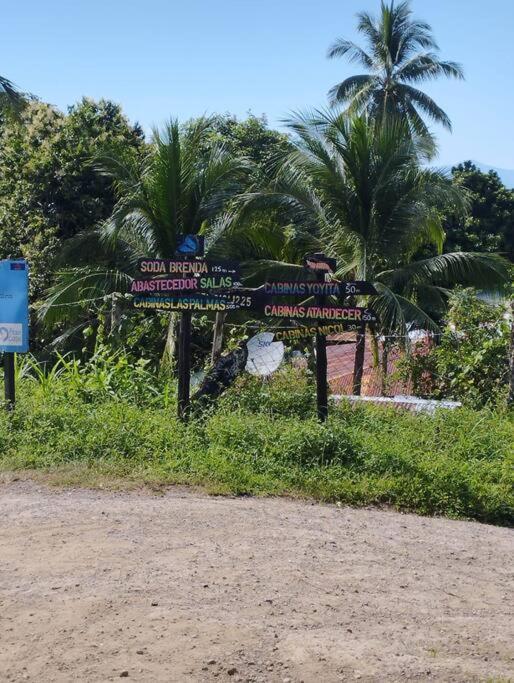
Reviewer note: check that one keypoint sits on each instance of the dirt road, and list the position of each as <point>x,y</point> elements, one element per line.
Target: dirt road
<point>184,587</point>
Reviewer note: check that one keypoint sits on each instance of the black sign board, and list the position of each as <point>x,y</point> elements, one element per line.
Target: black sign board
<point>187,267</point>
<point>326,329</point>
<point>353,314</point>
<point>337,289</point>
<point>203,301</point>
<point>178,285</point>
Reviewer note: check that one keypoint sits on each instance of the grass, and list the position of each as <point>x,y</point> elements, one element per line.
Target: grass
<point>265,440</point>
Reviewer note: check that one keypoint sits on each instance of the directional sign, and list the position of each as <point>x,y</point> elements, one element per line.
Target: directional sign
<point>337,289</point>
<point>187,268</point>
<point>293,333</point>
<point>194,283</point>
<point>352,314</point>
<point>14,306</point>
<point>202,301</point>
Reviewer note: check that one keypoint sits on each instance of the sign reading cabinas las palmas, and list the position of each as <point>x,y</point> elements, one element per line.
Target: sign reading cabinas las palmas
<point>350,313</point>
<point>203,301</point>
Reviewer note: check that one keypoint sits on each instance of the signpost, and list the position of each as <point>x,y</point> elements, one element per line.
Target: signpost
<point>190,283</point>
<point>14,319</point>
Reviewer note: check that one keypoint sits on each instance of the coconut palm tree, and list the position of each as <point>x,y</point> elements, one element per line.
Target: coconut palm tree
<point>400,54</point>
<point>361,182</point>
<point>10,96</point>
<point>177,187</point>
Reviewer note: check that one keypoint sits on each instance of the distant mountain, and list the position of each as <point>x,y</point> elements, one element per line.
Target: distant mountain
<point>506,174</point>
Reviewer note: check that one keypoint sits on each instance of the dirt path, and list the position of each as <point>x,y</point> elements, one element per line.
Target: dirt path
<point>184,587</point>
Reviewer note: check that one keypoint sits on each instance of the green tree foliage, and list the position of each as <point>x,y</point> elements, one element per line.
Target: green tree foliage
<point>489,224</point>
<point>470,362</point>
<point>362,184</point>
<point>49,190</point>
<point>251,138</point>
<point>401,53</point>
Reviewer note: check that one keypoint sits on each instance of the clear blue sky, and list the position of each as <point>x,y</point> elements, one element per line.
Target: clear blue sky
<point>187,57</point>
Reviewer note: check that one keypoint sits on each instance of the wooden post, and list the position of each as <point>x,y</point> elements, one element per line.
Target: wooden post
<point>184,365</point>
<point>217,338</point>
<point>321,363</point>
<point>358,367</point>
<point>510,398</point>
<point>9,384</point>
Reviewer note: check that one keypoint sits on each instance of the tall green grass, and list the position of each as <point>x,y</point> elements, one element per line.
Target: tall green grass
<point>263,438</point>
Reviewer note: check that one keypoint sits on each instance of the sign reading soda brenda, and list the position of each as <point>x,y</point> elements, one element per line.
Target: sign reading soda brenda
<point>188,268</point>
<point>345,313</point>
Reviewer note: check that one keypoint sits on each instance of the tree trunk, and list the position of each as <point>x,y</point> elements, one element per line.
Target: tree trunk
<point>115,315</point>
<point>384,367</point>
<point>358,367</point>
<point>217,339</point>
<point>170,348</point>
<point>510,399</point>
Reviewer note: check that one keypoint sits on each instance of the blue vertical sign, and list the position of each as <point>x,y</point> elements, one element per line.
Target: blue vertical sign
<point>14,306</point>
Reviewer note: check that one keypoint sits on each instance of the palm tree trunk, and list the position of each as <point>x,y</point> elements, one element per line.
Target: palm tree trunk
<point>170,348</point>
<point>510,399</point>
<point>217,340</point>
<point>384,367</point>
<point>358,367</point>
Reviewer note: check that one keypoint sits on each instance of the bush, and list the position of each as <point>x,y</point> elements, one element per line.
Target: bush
<point>457,463</point>
<point>471,361</point>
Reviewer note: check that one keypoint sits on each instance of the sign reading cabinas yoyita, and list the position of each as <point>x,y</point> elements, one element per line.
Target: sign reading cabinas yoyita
<point>186,268</point>
<point>350,313</point>
<point>338,289</point>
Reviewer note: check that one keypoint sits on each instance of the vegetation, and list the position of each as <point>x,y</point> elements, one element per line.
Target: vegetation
<point>458,464</point>
<point>469,361</point>
<point>401,52</point>
<point>83,195</point>
<point>362,183</point>
<point>488,226</point>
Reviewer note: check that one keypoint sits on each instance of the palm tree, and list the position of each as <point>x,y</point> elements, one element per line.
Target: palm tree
<point>375,206</point>
<point>177,187</point>
<point>401,53</point>
<point>10,96</point>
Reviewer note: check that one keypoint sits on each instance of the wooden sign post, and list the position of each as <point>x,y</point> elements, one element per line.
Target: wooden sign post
<point>321,264</point>
<point>321,362</point>
<point>9,383</point>
<point>184,365</point>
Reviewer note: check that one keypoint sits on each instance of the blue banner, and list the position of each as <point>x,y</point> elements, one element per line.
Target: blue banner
<point>14,306</point>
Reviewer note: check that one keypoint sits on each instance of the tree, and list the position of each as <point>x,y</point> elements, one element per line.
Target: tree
<point>11,99</point>
<point>174,188</point>
<point>361,182</point>
<point>489,224</point>
<point>251,138</point>
<point>49,190</point>
<point>402,52</point>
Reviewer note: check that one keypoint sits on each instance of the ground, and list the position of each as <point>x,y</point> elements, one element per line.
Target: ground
<point>96,585</point>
